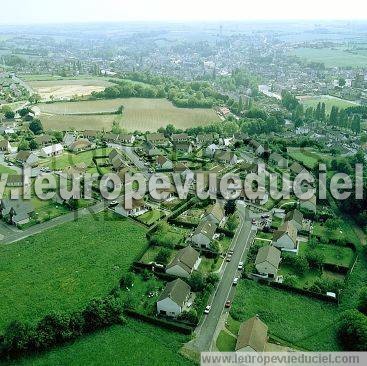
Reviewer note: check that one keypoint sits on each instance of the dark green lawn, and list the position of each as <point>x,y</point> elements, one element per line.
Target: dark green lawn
<point>64,267</point>
<point>307,323</point>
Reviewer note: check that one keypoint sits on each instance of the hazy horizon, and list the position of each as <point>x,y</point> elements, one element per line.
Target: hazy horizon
<point>23,12</point>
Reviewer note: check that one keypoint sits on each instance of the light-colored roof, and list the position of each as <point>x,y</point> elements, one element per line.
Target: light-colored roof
<point>295,215</point>
<point>253,333</point>
<point>216,210</point>
<point>206,228</point>
<point>52,149</point>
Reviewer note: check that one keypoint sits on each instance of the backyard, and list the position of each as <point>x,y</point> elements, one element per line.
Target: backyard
<point>304,322</point>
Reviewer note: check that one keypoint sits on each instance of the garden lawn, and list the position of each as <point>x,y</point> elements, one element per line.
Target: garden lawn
<point>226,342</point>
<point>5,169</point>
<point>334,254</point>
<point>64,267</point>
<point>150,217</point>
<point>69,159</point>
<point>307,323</point>
<point>134,344</point>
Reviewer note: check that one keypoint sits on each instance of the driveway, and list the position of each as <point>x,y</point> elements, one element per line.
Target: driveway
<point>240,245</point>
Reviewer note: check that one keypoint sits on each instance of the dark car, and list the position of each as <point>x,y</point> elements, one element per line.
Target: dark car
<point>228,304</point>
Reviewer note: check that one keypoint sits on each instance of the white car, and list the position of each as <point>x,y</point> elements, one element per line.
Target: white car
<point>240,265</point>
<point>207,309</point>
<point>235,281</point>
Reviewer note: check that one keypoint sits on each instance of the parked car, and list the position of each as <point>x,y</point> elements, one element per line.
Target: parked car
<point>229,257</point>
<point>235,281</point>
<point>230,252</point>
<point>207,309</point>
<point>240,266</point>
<point>265,216</point>
<point>228,304</point>
<point>253,221</point>
<point>113,203</point>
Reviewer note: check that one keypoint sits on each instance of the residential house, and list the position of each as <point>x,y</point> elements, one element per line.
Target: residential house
<point>69,139</point>
<point>90,134</point>
<point>185,147</point>
<point>17,180</point>
<point>185,262</point>
<point>215,214</point>
<point>80,145</point>
<point>117,160</point>
<point>156,138</point>
<point>225,157</point>
<point>110,137</point>
<point>179,137</point>
<point>205,138</point>
<point>52,150</point>
<point>172,300</point>
<point>285,237</point>
<point>43,140</point>
<point>18,211</point>
<point>309,204</point>
<point>126,138</point>
<point>5,146</point>
<point>163,163</point>
<point>296,218</point>
<point>26,158</point>
<point>279,160</point>
<point>203,234</point>
<point>258,148</point>
<point>138,208</point>
<point>267,261</point>
<point>252,336</point>
<point>210,150</point>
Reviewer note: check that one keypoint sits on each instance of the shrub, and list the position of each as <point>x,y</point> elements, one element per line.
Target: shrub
<point>163,256</point>
<point>362,301</point>
<point>352,333</point>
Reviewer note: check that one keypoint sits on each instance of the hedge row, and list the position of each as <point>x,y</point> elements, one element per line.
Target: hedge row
<point>180,328</point>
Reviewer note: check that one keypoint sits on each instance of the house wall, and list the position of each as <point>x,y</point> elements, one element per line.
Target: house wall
<point>169,307</point>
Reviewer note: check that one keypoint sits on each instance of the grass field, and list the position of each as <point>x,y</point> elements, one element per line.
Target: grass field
<point>307,323</point>
<point>139,114</point>
<point>5,169</point>
<point>67,88</point>
<point>64,267</point>
<point>135,344</point>
<point>308,156</point>
<point>332,57</point>
<point>330,101</point>
<point>69,159</point>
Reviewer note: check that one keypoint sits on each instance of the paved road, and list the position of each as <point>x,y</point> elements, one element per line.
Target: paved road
<point>240,244</point>
<point>14,236</point>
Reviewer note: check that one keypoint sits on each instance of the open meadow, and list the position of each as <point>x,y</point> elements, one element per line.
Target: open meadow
<point>330,101</point>
<point>64,267</point>
<point>332,57</point>
<point>139,114</point>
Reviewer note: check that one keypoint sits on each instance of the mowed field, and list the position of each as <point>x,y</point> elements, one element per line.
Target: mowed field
<point>332,57</point>
<point>139,114</point>
<point>330,101</point>
<point>63,268</point>
<point>134,344</point>
<point>65,89</point>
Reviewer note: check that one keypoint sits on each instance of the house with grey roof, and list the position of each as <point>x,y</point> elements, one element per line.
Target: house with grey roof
<point>203,234</point>
<point>172,300</point>
<point>285,238</point>
<point>267,261</point>
<point>296,218</point>
<point>252,336</point>
<point>278,160</point>
<point>214,214</point>
<point>16,212</point>
<point>184,263</point>
<point>26,158</point>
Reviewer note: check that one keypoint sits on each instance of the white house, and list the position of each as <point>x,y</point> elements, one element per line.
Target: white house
<point>185,262</point>
<point>252,336</point>
<point>173,298</point>
<point>52,150</point>
<point>267,261</point>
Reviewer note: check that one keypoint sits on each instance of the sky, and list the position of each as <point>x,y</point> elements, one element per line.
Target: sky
<point>71,11</point>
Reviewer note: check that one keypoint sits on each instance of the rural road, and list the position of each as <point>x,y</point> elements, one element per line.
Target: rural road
<point>13,236</point>
<point>240,245</point>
